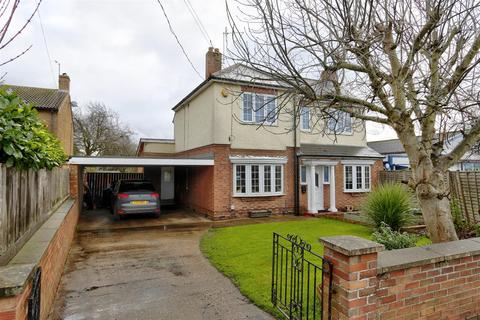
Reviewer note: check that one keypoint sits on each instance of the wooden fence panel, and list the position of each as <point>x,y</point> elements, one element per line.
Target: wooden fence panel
<point>27,198</point>
<point>464,188</point>
<point>99,181</point>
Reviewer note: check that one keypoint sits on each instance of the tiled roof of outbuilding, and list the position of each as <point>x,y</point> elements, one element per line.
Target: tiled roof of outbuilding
<point>41,98</point>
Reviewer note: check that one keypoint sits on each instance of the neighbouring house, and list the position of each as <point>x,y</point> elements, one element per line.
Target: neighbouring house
<point>261,163</point>
<point>54,107</point>
<point>395,157</point>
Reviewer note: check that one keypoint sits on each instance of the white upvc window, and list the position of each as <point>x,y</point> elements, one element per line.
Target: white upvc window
<point>339,122</point>
<point>356,178</point>
<point>303,174</point>
<point>259,108</point>
<point>257,180</point>
<point>305,118</point>
<point>326,174</point>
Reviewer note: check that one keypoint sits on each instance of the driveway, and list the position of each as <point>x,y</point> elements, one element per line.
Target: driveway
<point>146,273</point>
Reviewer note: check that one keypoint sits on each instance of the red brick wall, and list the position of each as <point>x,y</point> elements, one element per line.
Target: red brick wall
<point>444,290</point>
<point>441,281</point>
<point>342,199</point>
<point>52,264</point>
<point>209,190</point>
<point>351,199</point>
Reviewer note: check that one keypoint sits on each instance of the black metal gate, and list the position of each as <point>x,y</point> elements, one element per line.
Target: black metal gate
<point>34,299</point>
<point>301,280</point>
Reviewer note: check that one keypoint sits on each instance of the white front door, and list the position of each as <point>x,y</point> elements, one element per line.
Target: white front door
<point>319,188</point>
<point>167,189</point>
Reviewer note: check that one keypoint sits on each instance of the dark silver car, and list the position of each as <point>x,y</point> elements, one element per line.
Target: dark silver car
<point>135,196</point>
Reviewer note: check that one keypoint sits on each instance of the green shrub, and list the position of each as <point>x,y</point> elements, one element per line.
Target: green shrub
<point>25,141</point>
<point>393,239</point>
<point>390,204</point>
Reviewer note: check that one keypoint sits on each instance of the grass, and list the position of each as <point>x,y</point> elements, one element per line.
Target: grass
<point>244,253</point>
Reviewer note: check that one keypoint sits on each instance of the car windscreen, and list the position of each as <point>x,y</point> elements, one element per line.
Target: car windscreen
<point>127,186</point>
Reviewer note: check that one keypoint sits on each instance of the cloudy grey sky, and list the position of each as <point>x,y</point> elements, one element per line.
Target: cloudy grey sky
<point>120,52</point>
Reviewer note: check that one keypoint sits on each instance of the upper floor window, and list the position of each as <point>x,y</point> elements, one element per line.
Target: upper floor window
<point>305,118</point>
<point>259,108</point>
<point>340,122</point>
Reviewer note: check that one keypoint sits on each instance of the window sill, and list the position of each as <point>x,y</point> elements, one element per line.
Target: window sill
<point>356,191</point>
<point>259,123</point>
<point>258,195</point>
<point>340,134</point>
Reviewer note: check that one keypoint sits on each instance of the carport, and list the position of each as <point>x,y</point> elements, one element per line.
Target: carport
<point>169,175</point>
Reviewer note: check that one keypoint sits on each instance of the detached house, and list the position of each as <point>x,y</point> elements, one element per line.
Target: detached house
<point>262,161</point>
<point>54,108</point>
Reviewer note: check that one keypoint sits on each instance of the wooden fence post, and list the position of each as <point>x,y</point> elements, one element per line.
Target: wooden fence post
<point>3,207</point>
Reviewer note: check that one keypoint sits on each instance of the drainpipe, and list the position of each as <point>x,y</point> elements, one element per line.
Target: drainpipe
<point>296,197</point>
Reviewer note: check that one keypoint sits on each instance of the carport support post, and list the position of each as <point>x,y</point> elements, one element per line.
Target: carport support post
<point>76,178</point>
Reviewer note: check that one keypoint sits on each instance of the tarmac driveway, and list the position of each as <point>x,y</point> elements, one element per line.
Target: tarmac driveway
<point>146,274</point>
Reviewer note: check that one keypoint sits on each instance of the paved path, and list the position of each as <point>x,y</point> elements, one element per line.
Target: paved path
<point>146,274</point>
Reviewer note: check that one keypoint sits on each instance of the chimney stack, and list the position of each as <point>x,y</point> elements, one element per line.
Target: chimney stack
<point>213,61</point>
<point>329,75</point>
<point>64,82</point>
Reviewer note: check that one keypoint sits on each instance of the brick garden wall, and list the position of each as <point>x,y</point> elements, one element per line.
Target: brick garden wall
<point>440,281</point>
<point>52,263</point>
<point>54,259</point>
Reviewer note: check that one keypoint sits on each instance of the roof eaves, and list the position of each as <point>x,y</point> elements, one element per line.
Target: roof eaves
<point>210,79</point>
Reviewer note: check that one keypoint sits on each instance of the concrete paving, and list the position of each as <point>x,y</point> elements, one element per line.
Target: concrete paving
<point>101,219</point>
<point>146,274</point>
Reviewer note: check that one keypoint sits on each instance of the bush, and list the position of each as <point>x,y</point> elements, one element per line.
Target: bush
<point>25,141</point>
<point>390,204</point>
<point>393,239</point>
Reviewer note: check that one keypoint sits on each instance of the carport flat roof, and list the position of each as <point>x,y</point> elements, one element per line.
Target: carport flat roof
<point>138,161</point>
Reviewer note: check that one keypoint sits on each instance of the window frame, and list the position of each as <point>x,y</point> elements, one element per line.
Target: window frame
<point>336,113</point>
<point>326,169</point>
<point>268,98</point>
<point>354,171</point>
<point>301,175</point>
<point>305,112</point>
<point>261,174</point>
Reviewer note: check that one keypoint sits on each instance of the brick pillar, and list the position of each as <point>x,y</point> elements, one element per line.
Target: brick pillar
<point>74,180</point>
<point>354,276</point>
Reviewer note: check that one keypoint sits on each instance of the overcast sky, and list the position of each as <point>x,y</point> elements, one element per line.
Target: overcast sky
<point>121,53</point>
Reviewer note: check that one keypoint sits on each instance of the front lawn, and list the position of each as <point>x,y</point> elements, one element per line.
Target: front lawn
<point>244,253</point>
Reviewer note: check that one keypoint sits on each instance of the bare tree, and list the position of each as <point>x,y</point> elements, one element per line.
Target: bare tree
<point>8,9</point>
<point>99,132</point>
<point>412,65</point>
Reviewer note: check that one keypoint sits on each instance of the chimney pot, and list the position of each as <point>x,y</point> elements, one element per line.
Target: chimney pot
<point>213,61</point>
<point>329,75</point>
<point>64,82</point>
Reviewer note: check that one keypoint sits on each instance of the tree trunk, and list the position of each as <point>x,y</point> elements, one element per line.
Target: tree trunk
<point>431,191</point>
<point>438,219</point>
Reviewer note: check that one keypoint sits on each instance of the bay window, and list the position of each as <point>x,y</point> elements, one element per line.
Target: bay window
<point>257,180</point>
<point>357,178</point>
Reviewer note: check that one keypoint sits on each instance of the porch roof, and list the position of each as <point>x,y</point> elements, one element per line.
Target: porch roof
<point>139,161</point>
<point>338,151</point>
